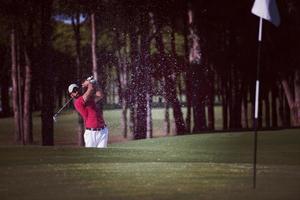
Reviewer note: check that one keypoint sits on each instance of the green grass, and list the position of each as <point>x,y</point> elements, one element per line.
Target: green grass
<point>206,166</point>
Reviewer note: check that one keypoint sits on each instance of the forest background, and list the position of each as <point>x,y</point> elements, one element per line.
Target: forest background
<point>175,54</point>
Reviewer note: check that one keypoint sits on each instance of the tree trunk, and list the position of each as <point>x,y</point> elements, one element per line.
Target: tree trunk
<point>198,78</point>
<point>27,100</point>
<point>274,106</point>
<point>122,71</point>
<point>14,77</point>
<point>286,114</point>
<point>188,102</point>
<point>149,115</point>
<point>267,110</point>
<point>141,111</point>
<point>176,62</point>
<point>93,44</point>
<point>142,74</point>
<point>199,114</point>
<point>5,97</point>
<point>124,119</point>
<point>113,99</point>
<point>244,109</point>
<point>225,95</point>
<point>296,110</point>
<point>76,29</point>
<point>210,104</point>
<point>169,79</point>
<point>240,89</point>
<point>28,55</point>
<point>188,89</point>
<point>293,101</point>
<point>60,96</point>
<point>47,74</point>
<point>236,87</point>
<point>167,126</point>
<point>20,99</point>
<point>280,106</point>
<point>210,113</point>
<point>199,92</point>
<point>4,83</point>
<point>284,108</point>
<point>133,78</point>
<point>149,91</point>
<point>132,117</point>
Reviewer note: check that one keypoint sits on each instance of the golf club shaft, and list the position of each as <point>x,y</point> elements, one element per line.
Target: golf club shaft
<point>63,107</point>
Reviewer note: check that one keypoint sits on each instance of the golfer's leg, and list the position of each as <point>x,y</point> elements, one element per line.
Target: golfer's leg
<point>88,138</point>
<point>102,141</point>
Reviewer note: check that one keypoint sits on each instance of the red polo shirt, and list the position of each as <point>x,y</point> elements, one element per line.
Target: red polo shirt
<point>91,115</point>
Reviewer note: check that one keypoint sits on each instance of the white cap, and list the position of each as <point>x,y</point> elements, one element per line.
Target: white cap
<point>71,87</point>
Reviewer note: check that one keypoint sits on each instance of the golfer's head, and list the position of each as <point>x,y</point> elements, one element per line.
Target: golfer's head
<point>73,90</point>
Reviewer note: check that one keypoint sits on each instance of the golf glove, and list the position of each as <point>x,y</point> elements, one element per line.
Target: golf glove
<point>91,80</point>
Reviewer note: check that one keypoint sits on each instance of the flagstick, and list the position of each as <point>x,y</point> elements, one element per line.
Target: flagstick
<point>257,101</point>
<point>19,91</point>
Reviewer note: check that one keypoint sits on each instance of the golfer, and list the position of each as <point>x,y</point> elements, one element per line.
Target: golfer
<point>96,132</point>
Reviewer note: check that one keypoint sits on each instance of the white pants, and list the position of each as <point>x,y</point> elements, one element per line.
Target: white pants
<point>96,138</point>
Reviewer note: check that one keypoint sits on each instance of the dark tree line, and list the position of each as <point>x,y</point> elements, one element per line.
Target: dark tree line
<point>202,50</point>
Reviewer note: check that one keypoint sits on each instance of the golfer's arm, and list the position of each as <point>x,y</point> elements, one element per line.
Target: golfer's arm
<point>89,93</point>
<point>79,106</point>
<point>99,94</point>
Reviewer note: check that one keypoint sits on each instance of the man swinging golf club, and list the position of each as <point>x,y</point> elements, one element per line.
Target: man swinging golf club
<point>96,132</point>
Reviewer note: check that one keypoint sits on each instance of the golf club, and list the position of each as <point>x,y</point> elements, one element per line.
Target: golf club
<point>91,79</point>
<point>56,114</point>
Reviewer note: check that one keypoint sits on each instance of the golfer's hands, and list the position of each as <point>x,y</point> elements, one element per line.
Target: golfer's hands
<point>90,90</point>
<point>89,82</point>
<point>85,84</point>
